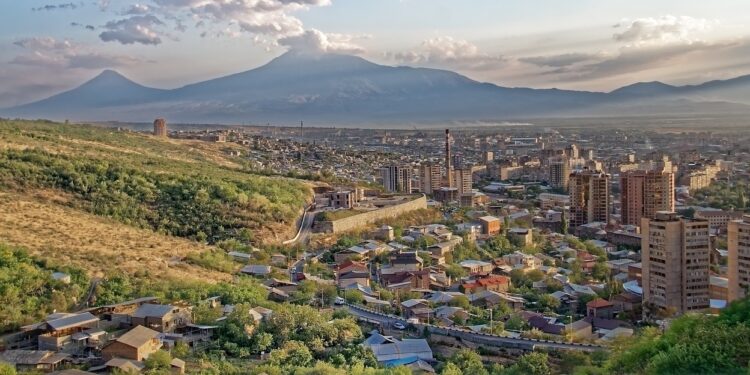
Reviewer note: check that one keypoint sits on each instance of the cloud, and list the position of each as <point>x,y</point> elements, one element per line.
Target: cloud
<point>136,29</point>
<point>53,53</point>
<point>446,51</point>
<point>136,9</point>
<point>317,41</point>
<point>56,7</point>
<point>561,60</point>
<point>87,27</point>
<point>661,30</point>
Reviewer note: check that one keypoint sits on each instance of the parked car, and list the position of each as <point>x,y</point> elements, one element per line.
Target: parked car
<point>399,325</point>
<point>339,301</point>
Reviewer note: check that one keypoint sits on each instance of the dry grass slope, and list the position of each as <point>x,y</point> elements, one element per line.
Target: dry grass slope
<point>98,245</point>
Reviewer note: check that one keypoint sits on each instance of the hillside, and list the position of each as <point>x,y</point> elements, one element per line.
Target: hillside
<point>181,188</point>
<point>100,246</point>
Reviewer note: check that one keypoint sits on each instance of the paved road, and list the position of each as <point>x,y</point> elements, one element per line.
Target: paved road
<point>479,338</point>
<point>305,227</point>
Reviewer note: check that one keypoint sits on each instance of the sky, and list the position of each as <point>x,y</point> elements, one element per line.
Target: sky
<point>49,46</point>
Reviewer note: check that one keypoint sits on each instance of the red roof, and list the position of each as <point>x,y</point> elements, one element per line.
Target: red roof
<point>599,303</point>
<point>487,281</point>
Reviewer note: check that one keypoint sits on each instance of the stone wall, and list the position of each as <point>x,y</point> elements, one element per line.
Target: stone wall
<point>369,217</point>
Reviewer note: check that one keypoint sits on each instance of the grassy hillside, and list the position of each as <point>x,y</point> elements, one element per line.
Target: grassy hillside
<point>101,246</point>
<point>181,188</point>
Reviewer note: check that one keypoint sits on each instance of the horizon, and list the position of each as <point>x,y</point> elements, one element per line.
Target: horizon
<point>51,46</point>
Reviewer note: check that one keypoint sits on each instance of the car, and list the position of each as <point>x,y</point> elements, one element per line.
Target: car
<point>399,325</point>
<point>339,301</point>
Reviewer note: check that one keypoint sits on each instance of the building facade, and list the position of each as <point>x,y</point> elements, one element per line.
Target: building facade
<point>675,263</point>
<point>738,241</point>
<point>559,173</point>
<point>430,177</point>
<point>646,192</point>
<point>160,127</point>
<point>589,197</point>
<point>397,178</point>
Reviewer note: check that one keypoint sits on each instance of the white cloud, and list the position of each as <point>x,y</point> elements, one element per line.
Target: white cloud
<point>317,41</point>
<point>52,53</point>
<point>446,51</point>
<point>136,9</point>
<point>661,30</point>
<point>136,29</point>
<point>561,60</point>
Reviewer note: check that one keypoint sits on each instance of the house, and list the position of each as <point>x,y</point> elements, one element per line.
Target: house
<point>405,261</point>
<point>626,301</point>
<point>363,251</point>
<point>521,236</point>
<point>406,281</point>
<point>490,225</point>
<point>388,348</point>
<point>519,260</point>
<point>600,308</point>
<point>447,314</point>
<point>415,308</point>
<point>477,267</point>
<point>126,366</point>
<point>240,256</point>
<point>444,297</point>
<point>162,318</point>
<point>354,277</point>
<point>137,344</point>
<point>285,285</point>
<point>489,298</point>
<point>70,333</point>
<point>351,265</point>
<point>256,270</point>
<point>580,329</point>
<point>30,360</point>
<point>491,283</point>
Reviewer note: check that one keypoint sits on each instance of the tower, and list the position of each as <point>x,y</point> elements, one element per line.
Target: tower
<point>646,192</point>
<point>589,197</point>
<point>738,243</point>
<point>160,127</point>
<point>448,159</point>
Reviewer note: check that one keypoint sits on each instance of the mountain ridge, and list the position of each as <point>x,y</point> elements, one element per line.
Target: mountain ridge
<point>334,88</point>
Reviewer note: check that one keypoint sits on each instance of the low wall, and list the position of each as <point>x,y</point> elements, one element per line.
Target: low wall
<point>369,217</point>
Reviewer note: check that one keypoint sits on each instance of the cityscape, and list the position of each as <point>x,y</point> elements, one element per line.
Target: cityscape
<point>533,201</point>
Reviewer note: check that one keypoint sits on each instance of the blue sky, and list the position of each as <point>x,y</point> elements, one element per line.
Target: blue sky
<point>47,46</point>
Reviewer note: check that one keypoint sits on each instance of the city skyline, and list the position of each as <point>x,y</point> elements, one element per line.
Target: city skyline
<point>54,45</point>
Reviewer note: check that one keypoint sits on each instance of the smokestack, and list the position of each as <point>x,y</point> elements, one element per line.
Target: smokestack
<point>448,164</point>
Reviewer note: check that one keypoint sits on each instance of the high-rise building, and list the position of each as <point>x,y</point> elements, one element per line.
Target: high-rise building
<point>589,197</point>
<point>738,242</point>
<point>397,178</point>
<point>488,157</point>
<point>675,255</point>
<point>462,179</point>
<point>160,127</point>
<point>458,160</point>
<point>559,173</point>
<point>573,152</point>
<point>430,177</point>
<point>646,192</point>
<point>448,161</point>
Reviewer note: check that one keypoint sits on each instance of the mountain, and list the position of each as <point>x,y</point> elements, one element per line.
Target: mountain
<point>341,89</point>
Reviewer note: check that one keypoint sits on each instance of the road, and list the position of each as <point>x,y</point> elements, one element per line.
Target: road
<point>305,227</point>
<point>479,338</point>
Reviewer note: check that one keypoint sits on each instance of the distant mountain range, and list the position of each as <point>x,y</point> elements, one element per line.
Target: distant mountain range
<point>333,89</point>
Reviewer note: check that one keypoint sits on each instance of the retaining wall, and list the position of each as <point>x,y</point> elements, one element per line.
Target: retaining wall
<point>369,217</point>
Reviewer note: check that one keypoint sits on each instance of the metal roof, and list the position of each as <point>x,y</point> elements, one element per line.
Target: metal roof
<point>153,310</point>
<point>138,336</point>
<point>71,320</point>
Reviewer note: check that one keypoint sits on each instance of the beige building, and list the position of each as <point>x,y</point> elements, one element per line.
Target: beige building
<point>430,177</point>
<point>718,220</point>
<point>738,241</point>
<point>549,201</point>
<point>645,192</point>
<point>675,265</point>
<point>342,199</point>
<point>160,127</point>
<point>589,197</point>
<point>559,173</point>
<point>462,180</point>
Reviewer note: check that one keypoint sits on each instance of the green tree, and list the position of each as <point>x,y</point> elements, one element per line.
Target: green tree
<point>533,364</point>
<point>469,362</point>
<point>159,360</point>
<point>7,369</point>
<point>451,369</point>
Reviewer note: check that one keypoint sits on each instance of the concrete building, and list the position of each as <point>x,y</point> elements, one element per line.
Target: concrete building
<point>342,199</point>
<point>589,197</point>
<point>645,192</point>
<point>462,180</point>
<point>738,241</point>
<point>718,220</point>
<point>430,178</point>
<point>397,178</point>
<point>490,225</point>
<point>559,173</point>
<point>675,263</point>
<point>549,201</point>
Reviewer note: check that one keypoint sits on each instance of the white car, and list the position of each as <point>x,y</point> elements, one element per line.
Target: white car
<point>339,301</point>
<point>399,325</point>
